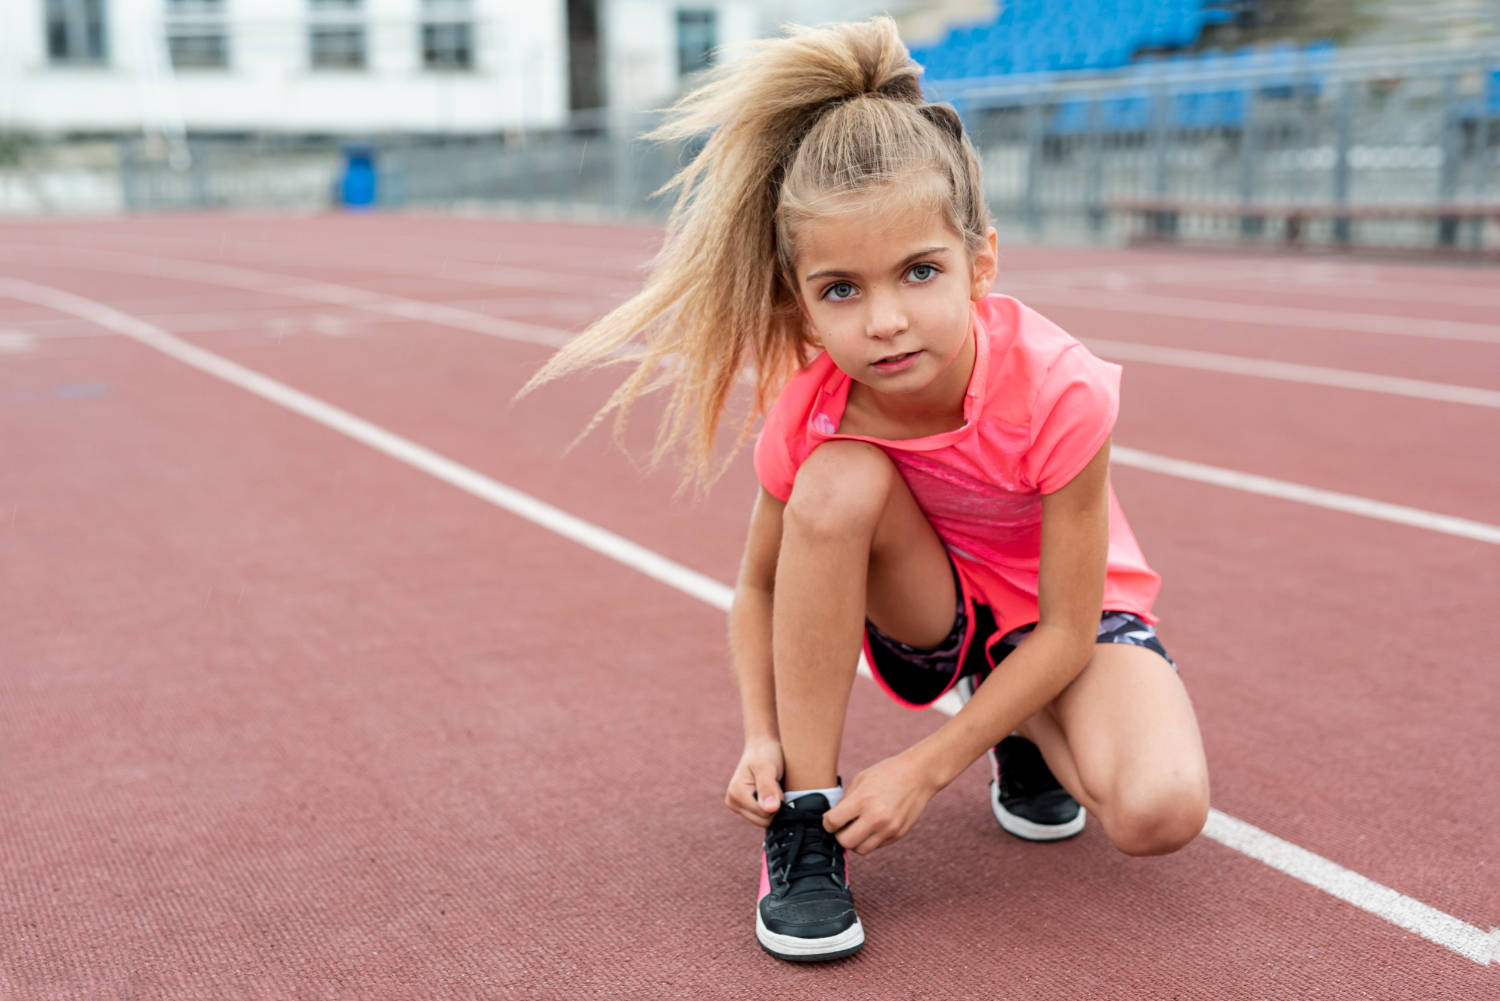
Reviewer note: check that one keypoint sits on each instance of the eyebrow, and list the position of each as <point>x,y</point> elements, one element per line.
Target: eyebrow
<point>905,262</point>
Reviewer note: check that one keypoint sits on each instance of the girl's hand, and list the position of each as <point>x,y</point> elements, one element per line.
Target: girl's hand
<point>755,790</point>
<point>881,805</point>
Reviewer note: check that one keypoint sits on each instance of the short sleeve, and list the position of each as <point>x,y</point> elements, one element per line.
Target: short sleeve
<point>773,458</point>
<point>1075,412</point>
<point>783,443</point>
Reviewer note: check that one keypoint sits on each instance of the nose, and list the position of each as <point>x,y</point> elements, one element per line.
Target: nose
<point>886,318</point>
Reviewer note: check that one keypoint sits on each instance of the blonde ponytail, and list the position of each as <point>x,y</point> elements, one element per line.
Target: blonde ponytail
<point>793,121</point>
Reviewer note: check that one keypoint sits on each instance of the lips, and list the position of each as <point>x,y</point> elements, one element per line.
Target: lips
<point>896,363</point>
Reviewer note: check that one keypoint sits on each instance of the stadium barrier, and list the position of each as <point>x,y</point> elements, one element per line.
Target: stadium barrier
<point>1220,146</point>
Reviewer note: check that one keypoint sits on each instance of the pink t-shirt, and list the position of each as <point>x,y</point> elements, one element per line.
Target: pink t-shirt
<point>1038,408</point>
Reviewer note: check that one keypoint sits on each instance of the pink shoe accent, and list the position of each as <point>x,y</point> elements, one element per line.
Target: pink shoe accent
<point>765,878</point>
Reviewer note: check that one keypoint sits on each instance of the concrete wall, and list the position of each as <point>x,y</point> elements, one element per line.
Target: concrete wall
<point>519,78</point>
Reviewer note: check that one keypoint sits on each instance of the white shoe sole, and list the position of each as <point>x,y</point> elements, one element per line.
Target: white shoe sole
<point>1030,829</point>
<point>810,950</point>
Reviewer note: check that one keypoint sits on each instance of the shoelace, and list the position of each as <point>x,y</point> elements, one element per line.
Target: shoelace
<point>802,848</point>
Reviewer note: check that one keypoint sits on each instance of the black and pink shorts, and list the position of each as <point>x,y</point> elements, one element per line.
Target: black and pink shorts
<point>918,677</point>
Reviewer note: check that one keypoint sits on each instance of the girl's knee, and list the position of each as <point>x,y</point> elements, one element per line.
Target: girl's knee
<point>1160,817</point>
<point>841,488</point>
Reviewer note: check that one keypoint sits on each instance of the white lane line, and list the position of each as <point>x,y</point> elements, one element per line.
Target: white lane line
<point>495,276</point>
<point>1483,947</point>
<point>1127,275</point>
<point>1330,877</point>
<point>1316,375</point>
<point>1309,276</point>
<point>1258,314</point>
<point>322,292</point>
<point>551,518</point>
<point>1315,496</point>
<point>463,319</point>
<point>1366,290</point>
<point>1260,277</point>
<point>14,342</point>
<point>529,333</point>
<point>1383,902</point>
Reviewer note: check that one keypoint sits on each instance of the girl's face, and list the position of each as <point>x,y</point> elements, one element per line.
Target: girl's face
<point>886,290</point>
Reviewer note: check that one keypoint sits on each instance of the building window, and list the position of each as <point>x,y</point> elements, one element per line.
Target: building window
<point>338,48</point>
<point>448,46</point>
<point>197,36</point>
<point>447,34</point>
<point>198,50</point>
<point>585,62</point>
<point>697,35</point>
<point>75,31</point>
<point>336,37</point>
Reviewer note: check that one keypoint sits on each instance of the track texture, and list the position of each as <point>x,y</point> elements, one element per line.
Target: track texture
<point>281,717</point>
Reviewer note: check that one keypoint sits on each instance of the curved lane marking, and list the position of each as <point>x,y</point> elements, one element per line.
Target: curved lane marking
<point>1381,901</point>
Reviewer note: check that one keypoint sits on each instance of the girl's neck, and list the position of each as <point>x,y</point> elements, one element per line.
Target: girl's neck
<point>934,409</point>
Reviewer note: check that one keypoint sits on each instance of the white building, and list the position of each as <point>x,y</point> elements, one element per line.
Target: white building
<point>298,66</point>
<point>362,66</point>
<point>651,45</point>
<point>350,66</point>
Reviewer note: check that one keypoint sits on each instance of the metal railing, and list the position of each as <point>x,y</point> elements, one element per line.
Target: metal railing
<point>261,172</point>
<point>1305,149</point>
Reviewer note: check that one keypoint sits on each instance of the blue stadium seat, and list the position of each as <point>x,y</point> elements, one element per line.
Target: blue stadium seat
<point>1060,36</point>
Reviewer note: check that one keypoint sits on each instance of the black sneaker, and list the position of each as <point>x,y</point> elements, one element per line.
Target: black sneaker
<point>1025,796</point>
<point>806,912</point>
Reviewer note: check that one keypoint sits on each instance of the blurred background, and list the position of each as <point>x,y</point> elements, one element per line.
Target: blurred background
<point>1317,122</point>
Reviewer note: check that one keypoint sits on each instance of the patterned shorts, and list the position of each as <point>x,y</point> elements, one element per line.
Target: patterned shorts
<point>917,677</point>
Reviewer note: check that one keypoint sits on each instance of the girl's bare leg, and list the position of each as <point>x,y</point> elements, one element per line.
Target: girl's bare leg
<point>1122,738</point>
<point>853,543</point>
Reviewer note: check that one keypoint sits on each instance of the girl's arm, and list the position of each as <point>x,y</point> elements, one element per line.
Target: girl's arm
<point>755,790</point>
<point>885,800</point>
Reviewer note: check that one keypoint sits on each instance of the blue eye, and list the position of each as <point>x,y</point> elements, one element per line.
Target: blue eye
<point>922,273</point>
<point>838,291</point>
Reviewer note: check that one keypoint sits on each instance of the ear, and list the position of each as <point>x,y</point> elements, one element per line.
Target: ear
<point>986,266</point>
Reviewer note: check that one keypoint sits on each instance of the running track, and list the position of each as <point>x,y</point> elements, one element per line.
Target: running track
<point>284,716</point>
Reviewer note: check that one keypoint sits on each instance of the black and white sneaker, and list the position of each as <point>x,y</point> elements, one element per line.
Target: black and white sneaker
<point>1025,796</point>
<point>806,912</point>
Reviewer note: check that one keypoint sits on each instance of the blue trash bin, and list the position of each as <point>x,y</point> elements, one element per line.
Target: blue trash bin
<point>357,186</point>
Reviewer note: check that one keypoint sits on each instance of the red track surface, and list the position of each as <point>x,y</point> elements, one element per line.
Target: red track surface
<point>282,717</point>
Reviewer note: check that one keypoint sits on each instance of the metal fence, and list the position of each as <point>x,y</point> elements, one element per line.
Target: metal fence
<point>260,172</point>
<point>603,168</point>
<point>1383,148</point>
<point>589,168</point>
<point>1374,148</point>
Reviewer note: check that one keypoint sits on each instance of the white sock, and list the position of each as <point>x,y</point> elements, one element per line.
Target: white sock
<point>832,795</point>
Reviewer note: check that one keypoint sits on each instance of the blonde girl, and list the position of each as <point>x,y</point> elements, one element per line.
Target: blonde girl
<point>934,482</point>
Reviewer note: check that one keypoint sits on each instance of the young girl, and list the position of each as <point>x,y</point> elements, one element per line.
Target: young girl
<point>934,482</point>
